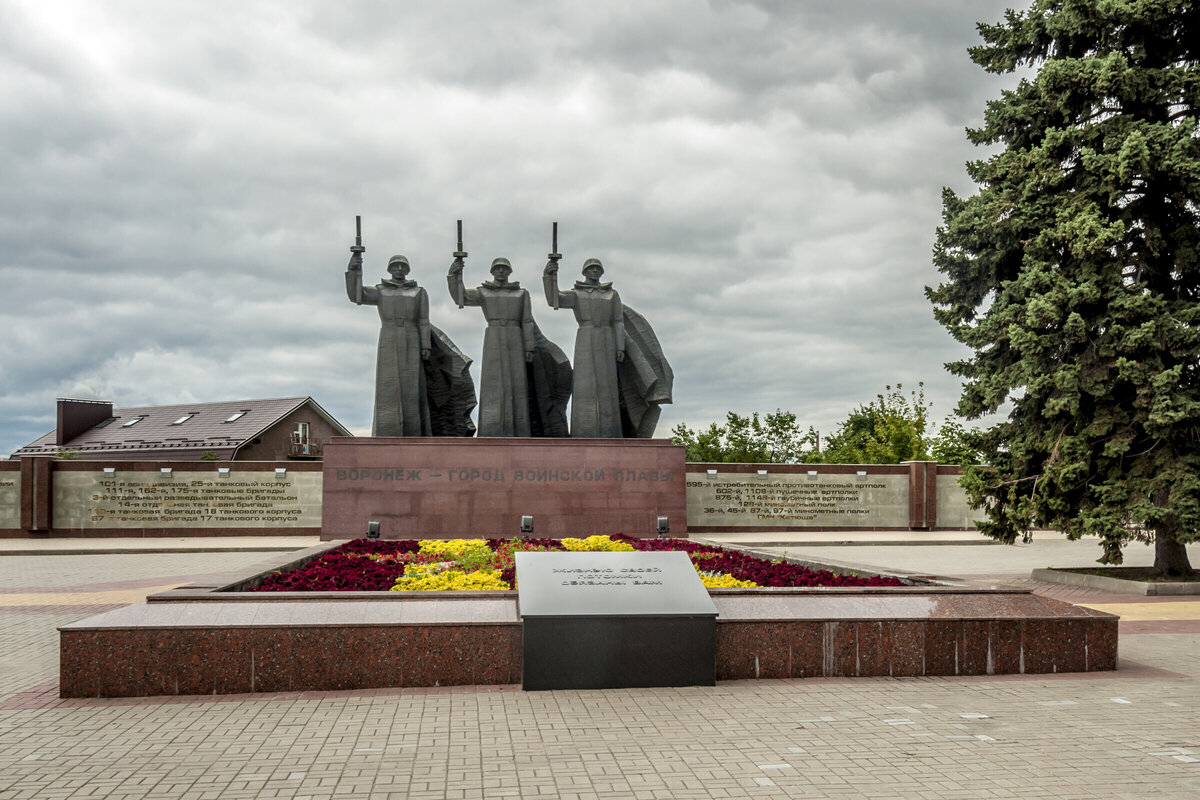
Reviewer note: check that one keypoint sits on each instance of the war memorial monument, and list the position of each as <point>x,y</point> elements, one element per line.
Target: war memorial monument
<point>575,619</point>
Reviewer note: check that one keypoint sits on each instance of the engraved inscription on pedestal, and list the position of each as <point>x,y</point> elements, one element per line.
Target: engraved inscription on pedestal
<point>10,500</point>
<point>437,488</point>
<point>779,499</point>
<point>614,620</point>
<point>187,500</point>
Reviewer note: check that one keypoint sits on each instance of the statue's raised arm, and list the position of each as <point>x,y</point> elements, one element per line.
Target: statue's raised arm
<point>359,294</point>
<point>459,293</point>
<point>555,297</point>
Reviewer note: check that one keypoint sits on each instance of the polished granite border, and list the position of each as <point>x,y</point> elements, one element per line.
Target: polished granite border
<point>278,644</point>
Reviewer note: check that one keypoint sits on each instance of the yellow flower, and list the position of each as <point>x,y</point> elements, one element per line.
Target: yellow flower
<point>723,580</point>
<point>452,580</point>
<point>456,547</point>
<point>596,542</point>
<point>418,570</point>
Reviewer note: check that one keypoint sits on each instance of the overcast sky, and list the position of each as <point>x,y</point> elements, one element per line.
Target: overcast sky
<point>761,180</point>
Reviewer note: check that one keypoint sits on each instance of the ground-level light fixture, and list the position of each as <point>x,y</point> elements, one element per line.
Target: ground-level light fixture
<point>372,529</point>
<point>663,525</point>
<point>526,523</point>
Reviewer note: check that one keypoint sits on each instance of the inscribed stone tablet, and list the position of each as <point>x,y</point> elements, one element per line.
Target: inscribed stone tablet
<point>614,620</point>
<point>574,584</point>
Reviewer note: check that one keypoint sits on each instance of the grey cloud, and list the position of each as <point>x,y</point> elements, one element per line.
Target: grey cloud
<point>761,179</point>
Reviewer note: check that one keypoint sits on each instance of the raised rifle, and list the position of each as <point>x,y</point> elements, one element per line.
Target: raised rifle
<point>459,253</point>
<point>554,256</point>
<point>358,248</point>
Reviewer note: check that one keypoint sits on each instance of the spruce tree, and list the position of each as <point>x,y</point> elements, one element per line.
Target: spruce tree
<point>1073,274</point>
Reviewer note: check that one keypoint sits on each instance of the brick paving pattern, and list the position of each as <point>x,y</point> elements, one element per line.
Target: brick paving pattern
<point>1130,734</point>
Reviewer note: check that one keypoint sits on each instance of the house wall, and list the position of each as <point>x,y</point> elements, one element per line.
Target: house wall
<point>275,442</point>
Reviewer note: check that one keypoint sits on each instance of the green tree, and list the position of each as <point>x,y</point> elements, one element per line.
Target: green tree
<point>888,430</point>
<point>1074,276</point>
<point>954,444</point>
<point>773,439</point>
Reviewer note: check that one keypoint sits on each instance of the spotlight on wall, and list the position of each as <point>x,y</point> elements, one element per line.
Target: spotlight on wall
<point>526,523</point>
<point>109,470</point>
<point>664,527</point>
<point>762,473</point>
<point>222,472</point>
<point>281,472</point>
<point>372,529</point>
<point>862,473</point>
<point>812,473</point>
<point>712,473</point>
<point>164,472</point>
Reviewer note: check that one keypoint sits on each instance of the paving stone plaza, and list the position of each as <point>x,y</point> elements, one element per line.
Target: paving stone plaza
<point>1129,734</point>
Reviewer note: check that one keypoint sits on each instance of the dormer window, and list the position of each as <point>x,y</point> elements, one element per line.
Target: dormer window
<point>183,419</point>
<point>132,422</point>
<point>236,417</point>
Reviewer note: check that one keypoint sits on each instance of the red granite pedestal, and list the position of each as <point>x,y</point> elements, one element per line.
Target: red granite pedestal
<point>446,488</point>
<point>202,640</point>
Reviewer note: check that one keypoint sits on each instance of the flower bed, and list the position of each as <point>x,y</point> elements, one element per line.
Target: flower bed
<point>488,564</point>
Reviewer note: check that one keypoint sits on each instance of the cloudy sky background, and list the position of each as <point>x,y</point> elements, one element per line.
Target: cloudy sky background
<point>761,179</point>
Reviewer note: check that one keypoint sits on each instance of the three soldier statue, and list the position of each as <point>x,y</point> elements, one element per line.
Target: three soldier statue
<point>422,385</point>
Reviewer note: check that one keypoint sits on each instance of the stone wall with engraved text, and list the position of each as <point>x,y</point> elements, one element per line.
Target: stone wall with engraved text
<point>246,499</point>
<point>782,499</point>
<point>10,499</point>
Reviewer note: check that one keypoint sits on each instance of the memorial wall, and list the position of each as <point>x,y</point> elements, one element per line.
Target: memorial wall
<point>477,489</point>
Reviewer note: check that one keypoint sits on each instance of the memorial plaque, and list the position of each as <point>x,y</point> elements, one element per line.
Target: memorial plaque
<point>601,620</point>
<point>140,499</point>
<point>10,499</point>
<point>743,500</point>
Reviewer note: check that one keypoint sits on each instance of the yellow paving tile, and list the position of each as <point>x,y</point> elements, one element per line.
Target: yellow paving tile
<point>106,598</point>
<point>1184,609</point>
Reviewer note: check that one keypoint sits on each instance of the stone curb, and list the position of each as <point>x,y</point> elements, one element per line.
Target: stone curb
<point>1117,585</point>
<point>102,551</point>
<point>919,578</point>
<point>842,542</point>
